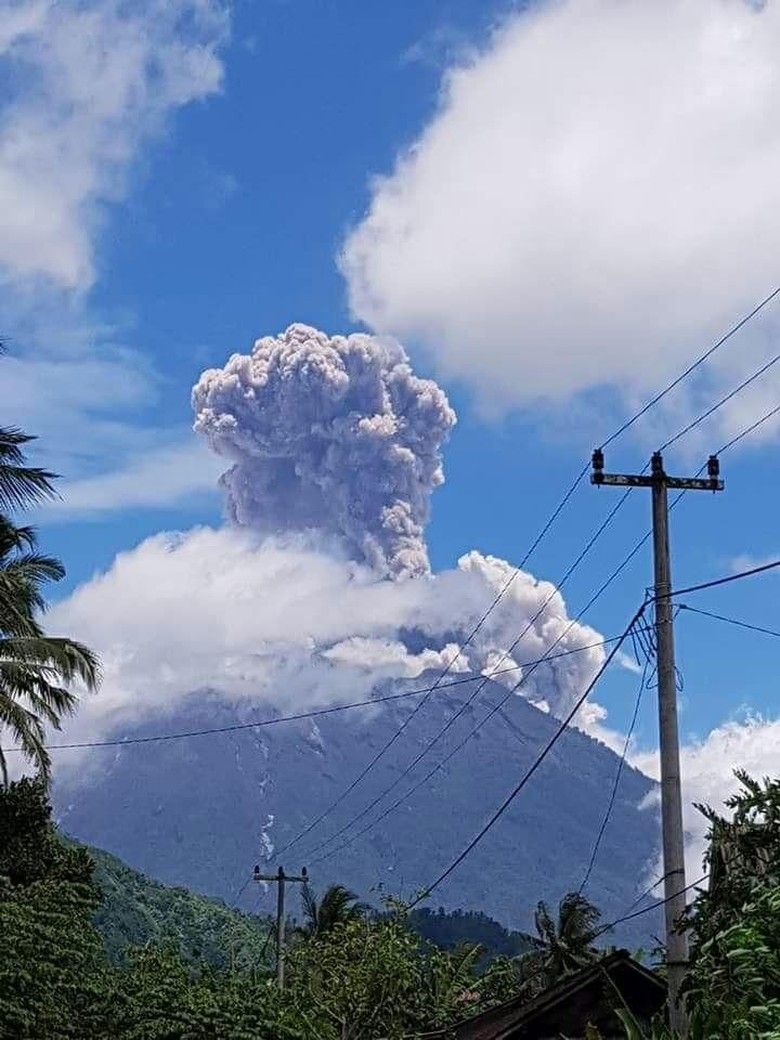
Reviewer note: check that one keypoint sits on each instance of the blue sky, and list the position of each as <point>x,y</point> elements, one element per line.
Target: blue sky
<point>227,225</point>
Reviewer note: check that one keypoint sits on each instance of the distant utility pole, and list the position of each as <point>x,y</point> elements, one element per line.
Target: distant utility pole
<point>280,878</point>
<point>671,798</point>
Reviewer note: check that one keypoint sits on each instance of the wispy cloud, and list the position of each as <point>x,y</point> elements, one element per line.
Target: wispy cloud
<point>163,477</point>
<point>442,46</point>
<point>747,562</point>
<point>86,87</point>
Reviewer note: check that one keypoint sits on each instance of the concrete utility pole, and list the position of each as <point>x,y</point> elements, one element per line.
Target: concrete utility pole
<point>280,878</point>
<point>671,798</point>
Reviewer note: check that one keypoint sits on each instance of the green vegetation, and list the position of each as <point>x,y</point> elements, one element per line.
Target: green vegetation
<point>195,969</point>
<point>564,944</point>
<point>36,671</point>
<point>362,976</point>
<point>338,906</point>
<point>733,989</point>
<point>136,911</point>
<point>450,930</point>
<point>371,978</point>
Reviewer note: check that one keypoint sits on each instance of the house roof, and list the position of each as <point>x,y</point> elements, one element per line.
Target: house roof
<point>585,996</point>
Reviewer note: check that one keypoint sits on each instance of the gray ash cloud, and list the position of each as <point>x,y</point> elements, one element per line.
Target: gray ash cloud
<point>329,433</point>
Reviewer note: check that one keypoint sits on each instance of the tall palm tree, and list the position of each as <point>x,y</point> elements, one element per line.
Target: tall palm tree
<point>563,945</point>
<point>337,906</point>
<point>36,671</point>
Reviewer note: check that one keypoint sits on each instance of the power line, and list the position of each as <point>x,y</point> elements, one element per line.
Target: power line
<point>459,651</point>
<point>691,368</point>
<point>759,422</point>
<point>241,891</point>
<point>725,581</point>
<point>647,909</point>
<point>731,621</point>
<point>534,766</point>
<point>439,765</point>
<point>450,722</point>
<point>315,712</point>
<point>618,775</point>
<point>456,863</point>
<point>646,892</point>
<point>493,711</point>
<point>639,631</point>
<point>723,400</point>
<point>577,481</point>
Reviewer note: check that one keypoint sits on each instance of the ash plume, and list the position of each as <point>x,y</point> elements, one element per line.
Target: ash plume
<point>333,434</point>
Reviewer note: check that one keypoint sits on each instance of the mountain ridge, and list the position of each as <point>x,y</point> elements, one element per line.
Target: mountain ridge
<point>200,812</point>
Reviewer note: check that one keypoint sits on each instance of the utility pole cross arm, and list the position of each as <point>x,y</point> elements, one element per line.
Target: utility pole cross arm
<point>711,482</point>
<point>275,877</point>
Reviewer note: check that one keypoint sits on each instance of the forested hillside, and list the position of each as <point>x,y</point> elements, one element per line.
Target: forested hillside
<point>137,911</point>
<point>450,930</point>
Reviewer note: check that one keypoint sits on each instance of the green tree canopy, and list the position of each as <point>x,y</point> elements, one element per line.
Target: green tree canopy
<point>565,943</point>
<point>337,906</point>
<point>733,987</point>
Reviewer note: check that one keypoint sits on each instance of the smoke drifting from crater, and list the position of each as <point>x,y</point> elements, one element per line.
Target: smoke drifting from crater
<point>333,434</point>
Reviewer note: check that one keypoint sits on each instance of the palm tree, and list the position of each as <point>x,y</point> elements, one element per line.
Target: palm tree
<point>337,906</point>
<point>36,670</point>
<point>563,946</point>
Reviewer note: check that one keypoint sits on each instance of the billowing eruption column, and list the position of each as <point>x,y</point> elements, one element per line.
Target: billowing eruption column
<point>329,433</point>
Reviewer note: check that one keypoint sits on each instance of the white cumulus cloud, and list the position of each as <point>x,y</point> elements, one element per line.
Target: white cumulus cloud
<point>287,623</point>
<point>707,772</point>
<point>595,200</point>
<point>85,84</point>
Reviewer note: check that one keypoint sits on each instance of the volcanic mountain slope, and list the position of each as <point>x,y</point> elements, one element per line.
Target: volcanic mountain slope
<point>201,811</point>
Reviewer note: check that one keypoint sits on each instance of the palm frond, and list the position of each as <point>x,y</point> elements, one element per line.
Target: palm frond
<point>34,568</point>
<point>21,485</point>
<point>12,440</point>
<point>310,907</point>
<point>18,608</point>
<point>24,486</point>
<point>14,538</point>
<point>34,675</point>
<point>337,906</point>
<point>544,924</point>
<point>29,735</point>
<point>36,671</point>
<point>578,920</point>
<point>49,701</point>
